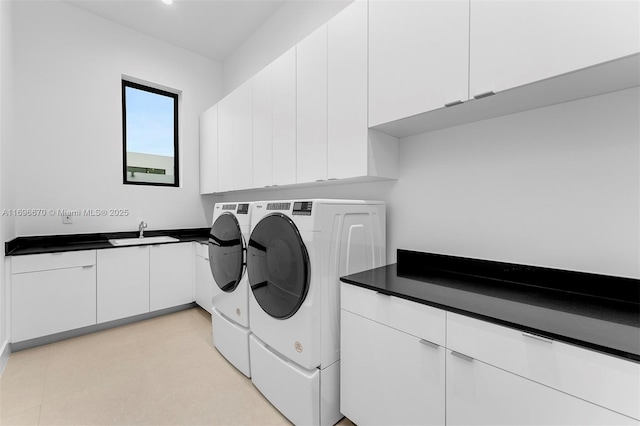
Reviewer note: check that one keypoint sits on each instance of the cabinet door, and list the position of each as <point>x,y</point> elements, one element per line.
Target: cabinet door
<point>204,283</point>
<point>123,282</point>
<point>388,377</point>
<point>480,394</point>
<point>311,74</point>
<point>47,302</point>
<point>171,275</point>
<point>284,118</point>
<point>514,43</point>
<point>262,129</point>
<point>418,56</point>
<point>225,144</point>
<point>347,93</point>
<point>209,151</point>
<point>243,137</point>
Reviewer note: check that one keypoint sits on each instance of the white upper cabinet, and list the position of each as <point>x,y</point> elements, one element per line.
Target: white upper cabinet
<point>235,140</point>
<point>225,144</point>
<point>243,137</point>
<point>353,151</point>
<point>262,129</point>
<point>418,57</point>
<point>284,118</point>
<point>311,94</point>
<point>209,151</point>
<point>519,42</point>
<point>347,93</point>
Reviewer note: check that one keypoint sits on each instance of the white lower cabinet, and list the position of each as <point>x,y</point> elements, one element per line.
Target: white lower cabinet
<point>389,377</point>
<point>393,358</point>
<point>480,394</point>
<point>56,292</point>
<point>170,275</point>
<point>204,278</point>
<point>123,282</point>
<point>52,293</point>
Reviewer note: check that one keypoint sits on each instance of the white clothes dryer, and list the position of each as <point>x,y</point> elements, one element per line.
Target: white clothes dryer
<point>296,253</point>
<point>227,258</point>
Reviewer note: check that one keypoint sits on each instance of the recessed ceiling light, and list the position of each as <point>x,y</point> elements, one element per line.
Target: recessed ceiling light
<point>167,1</point>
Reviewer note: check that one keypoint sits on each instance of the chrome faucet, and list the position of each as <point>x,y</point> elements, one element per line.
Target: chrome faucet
<point>141,228</point>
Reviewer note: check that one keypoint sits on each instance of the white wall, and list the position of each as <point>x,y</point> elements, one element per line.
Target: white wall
<point>68,120</point>
<point>292,22</point>
<point>556,187</point>
<point>6,139</point>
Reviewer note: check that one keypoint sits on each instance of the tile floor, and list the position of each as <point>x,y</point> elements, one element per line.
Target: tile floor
<point>162,371</point>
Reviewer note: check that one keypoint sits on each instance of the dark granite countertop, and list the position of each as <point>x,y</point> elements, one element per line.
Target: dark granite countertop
<point>604,316</point>
<point>73,242</point>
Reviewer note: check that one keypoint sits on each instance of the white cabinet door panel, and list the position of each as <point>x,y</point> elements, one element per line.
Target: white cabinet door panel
<point>48,302</point>
<point>479,394</point>
<point>209,151</point>
<point>284,118</point>
<point>243,137</point>
<point>123,282</point>
<point>225,144</point>
<point>171,275</point>
<point>389,377</point>
<point>262,129</point>
<point>204,283</point>
<point>347,146</point>
<point>418,57</point>
<point>311,74</point>
<point>519,42</point>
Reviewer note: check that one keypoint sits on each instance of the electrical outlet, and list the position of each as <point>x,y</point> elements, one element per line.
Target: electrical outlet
<point>67,219</point>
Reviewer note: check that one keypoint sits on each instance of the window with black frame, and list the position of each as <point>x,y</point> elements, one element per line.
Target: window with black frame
<point>150,135</point>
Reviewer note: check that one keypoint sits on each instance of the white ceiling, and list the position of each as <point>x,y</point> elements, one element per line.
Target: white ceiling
<point>212,28</point>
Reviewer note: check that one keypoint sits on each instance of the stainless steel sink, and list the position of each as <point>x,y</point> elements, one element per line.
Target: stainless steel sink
<point>140,241</point>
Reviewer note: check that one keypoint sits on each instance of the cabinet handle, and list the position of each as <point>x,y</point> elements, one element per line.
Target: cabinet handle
<point>87,266</point>
<point>536,337</point>
<point>333,179</point>
<point>454,103</point>
<point>484,95</point>
<point>461,356</point>
<point>319,180</point>
<point>430,344</point>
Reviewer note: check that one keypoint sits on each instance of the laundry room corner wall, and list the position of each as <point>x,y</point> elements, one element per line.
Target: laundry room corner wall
<point>68,120</point>
<point>6,141</point>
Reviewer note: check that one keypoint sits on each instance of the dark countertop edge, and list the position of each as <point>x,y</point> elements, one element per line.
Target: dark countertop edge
<point>603,349</point>
<point>21,246</point>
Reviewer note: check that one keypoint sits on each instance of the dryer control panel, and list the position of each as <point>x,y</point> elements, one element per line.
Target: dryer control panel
<point>302,208</point>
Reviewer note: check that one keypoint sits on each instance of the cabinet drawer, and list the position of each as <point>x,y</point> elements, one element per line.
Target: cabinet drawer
<point>605,380</point>
<point>48,261</point>
<point>419,320</point>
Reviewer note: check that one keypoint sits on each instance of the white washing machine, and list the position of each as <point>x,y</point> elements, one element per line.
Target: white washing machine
<point>296,253</point>
<point>227,258</point>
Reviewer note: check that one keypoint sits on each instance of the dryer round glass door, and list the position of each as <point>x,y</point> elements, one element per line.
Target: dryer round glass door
<point>278,266</point>
<point>226,252</point>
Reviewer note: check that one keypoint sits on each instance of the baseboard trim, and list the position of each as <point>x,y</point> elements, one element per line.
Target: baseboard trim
<point>44,340</point>
<point>4,356</point>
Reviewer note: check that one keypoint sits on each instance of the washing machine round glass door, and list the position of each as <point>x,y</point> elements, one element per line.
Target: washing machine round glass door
<point>226,252</point>
<point>278,266</point>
